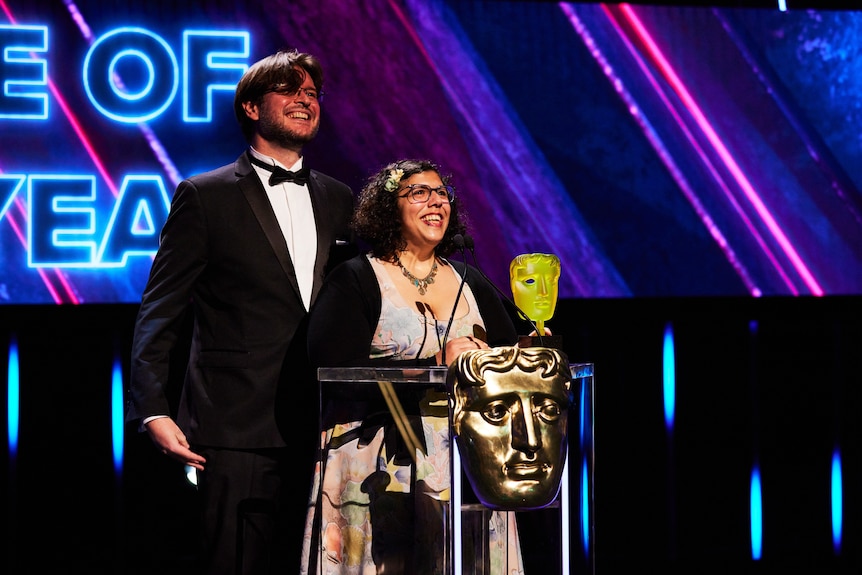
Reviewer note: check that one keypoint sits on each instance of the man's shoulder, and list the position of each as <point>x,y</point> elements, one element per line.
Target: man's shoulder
<point>229,172</point>
<point>329,181</point>
<point>223,173</point>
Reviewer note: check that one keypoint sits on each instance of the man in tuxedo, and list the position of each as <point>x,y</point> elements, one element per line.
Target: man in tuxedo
<point>245,247</point>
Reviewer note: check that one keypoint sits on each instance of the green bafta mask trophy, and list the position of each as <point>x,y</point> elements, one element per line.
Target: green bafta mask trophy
<point>510,409</point>
<point>535,286</point>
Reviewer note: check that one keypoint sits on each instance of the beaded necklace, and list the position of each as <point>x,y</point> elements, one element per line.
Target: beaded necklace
<point>421,284</point>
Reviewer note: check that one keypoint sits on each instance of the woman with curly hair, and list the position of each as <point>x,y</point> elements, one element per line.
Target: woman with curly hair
<point>379,507</point>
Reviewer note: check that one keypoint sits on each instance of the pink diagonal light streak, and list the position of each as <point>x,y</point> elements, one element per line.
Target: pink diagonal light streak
<point>659,146</point>
<point>745,185</point>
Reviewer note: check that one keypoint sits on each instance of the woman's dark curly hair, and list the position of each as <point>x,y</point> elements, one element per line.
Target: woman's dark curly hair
<point>377,220</point>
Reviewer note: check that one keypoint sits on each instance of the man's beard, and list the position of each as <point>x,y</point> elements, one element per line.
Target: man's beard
<point>285,137</point>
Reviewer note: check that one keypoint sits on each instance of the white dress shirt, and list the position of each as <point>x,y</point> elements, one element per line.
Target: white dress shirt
<point>292,205</point>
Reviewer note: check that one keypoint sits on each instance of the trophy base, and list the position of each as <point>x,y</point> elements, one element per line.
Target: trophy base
<point>551,341</point>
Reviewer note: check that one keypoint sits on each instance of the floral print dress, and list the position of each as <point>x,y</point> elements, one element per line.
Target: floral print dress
<point>381,509</point>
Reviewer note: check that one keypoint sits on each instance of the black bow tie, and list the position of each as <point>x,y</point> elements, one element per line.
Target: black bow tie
<point>279,174</point>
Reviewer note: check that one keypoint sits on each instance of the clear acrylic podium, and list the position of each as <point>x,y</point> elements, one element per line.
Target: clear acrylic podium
<point>562,534</point>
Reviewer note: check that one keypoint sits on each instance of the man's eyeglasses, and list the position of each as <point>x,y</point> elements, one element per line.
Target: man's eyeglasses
<point>285,90</point>
<point>419,193</point>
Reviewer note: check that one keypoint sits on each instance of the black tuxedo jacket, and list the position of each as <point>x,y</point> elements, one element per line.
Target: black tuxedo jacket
<point>223,255</point>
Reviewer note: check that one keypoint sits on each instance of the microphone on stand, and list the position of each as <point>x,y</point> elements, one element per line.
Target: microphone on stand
<point>467,242</point>
<point>470,245</point>
<point>459,245</point>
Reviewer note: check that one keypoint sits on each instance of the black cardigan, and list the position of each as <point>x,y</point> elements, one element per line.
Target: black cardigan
<point>347,310</point>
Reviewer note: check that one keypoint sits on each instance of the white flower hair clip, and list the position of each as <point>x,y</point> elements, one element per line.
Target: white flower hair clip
<point>393,180</point>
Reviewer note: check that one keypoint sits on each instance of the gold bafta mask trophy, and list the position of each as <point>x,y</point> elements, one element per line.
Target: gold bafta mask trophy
<point>510,409</point>
<point>535,286</point>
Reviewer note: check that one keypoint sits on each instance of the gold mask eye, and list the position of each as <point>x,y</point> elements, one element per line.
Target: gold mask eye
<point>495,412</point>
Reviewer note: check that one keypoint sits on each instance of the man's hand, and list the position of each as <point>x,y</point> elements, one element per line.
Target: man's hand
<point>172,441</point>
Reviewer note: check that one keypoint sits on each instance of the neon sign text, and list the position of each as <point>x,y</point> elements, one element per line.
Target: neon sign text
<point>130,74</point>
<point>63,230</point>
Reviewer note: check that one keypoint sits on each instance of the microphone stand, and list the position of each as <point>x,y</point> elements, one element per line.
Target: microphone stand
<point>421,307</point>
<point>436,326</point>
<point>459,244</point>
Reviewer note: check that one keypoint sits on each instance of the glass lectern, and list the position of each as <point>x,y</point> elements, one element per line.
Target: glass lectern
<point>463,536</point>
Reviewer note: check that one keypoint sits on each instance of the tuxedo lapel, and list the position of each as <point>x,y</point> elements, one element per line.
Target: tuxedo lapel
<point>319,202</point>
<point>254,193</point>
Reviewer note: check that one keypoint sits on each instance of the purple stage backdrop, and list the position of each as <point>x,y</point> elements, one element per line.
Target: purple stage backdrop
<point>659,151</point>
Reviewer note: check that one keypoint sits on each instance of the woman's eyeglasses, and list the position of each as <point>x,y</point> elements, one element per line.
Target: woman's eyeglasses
<point>420,193</point>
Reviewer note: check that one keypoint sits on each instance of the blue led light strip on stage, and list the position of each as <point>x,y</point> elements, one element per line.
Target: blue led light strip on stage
<point>756,509</point>
<point>585,484</point>
<point>669,396</point>
<point>837,502</point>
<point>117,414</point>
<point>669,377</point>
<point>12,397</point>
